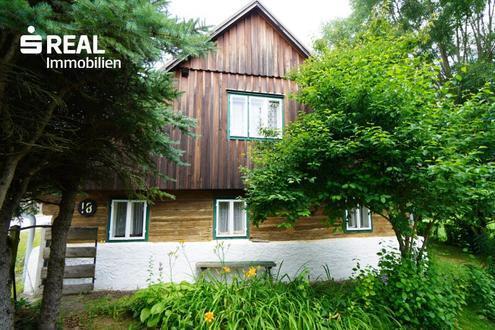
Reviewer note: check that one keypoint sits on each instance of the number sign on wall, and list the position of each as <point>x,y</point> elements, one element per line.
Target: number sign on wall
<point>87,207</point>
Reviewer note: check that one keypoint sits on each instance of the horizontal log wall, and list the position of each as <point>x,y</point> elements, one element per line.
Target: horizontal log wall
<point>190,218</point>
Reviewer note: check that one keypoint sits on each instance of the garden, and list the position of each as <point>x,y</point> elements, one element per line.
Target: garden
<point>455,289</point>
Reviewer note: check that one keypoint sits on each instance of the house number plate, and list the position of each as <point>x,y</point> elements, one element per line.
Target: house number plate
<point>87,207</point>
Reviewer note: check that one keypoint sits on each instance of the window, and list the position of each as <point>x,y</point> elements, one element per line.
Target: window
<point>358,218</point>
<point>127,220</point>
<point>231,218</point>
<point>253,116</point>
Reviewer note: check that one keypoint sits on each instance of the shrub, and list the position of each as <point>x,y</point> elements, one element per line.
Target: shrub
<point>479,239</point>
<point>481,291</point>
<point>417,295</point>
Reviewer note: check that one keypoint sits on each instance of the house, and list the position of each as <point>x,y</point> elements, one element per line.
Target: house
<point>233,92</point>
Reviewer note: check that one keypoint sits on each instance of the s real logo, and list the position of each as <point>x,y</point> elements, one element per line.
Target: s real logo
<point>31,44</point>
<point>67,45</point>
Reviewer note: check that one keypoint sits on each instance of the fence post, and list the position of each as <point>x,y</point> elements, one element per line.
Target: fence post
<point>14,244</point>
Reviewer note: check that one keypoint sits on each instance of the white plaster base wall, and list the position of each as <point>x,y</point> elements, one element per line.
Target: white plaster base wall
<point>125,266</point>
<point>31,283</point>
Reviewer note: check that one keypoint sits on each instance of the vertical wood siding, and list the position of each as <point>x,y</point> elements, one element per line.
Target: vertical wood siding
<point>251,56</point>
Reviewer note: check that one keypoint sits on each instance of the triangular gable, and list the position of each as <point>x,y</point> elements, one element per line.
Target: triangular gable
<point>254,7</point>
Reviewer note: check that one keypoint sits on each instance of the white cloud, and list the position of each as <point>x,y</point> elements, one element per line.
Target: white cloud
<point>303,18</point>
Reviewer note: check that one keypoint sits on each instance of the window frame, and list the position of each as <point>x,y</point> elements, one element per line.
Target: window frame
<point>359,229</point>
<point>146,215</point>
<point>231,200</point>
<point>279,97</point>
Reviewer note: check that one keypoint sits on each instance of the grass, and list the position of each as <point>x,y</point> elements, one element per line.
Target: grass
<point>449,259</point>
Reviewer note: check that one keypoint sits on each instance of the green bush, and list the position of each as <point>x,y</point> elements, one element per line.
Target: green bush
<point>479,239</point>
<point>255,302</point>
<point>417,295</point>
<point>481,291</point>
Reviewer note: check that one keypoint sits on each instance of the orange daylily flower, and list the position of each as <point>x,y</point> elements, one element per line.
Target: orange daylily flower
<point>251,272</point>
<point>209,316</point>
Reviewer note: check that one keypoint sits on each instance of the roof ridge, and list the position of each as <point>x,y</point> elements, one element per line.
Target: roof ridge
<point>219,29</point>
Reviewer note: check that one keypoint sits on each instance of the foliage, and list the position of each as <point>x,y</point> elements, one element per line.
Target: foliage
<point>458,37</point>
<point>459,33</point>
<point>249,303</point>
<point>465,233</point>
<point>343,299</point>
<point>418,295</point>
<point>61,129</point>
<point>481,290</point>
<point>381,134</point>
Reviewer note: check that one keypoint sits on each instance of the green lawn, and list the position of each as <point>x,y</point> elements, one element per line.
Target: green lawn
<point>449,259</point>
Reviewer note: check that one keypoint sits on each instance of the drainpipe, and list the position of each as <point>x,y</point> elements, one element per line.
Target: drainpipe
<point>29,246</point>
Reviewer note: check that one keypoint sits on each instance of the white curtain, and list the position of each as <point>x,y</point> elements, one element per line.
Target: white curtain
<point>238,115</point>
<point>119,220</point>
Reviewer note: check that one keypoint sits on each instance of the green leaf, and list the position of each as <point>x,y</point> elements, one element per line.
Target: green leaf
<point>145,313</point>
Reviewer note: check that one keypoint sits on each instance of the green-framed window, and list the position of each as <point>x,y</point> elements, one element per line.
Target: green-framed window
<point>255,116</point>
<point>358,219</point>
<point>230,219</point>
<point>128,220</point>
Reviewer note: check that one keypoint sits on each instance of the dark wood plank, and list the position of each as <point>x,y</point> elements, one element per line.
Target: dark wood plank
<point>77,234</point>
<point>75,271</point>
<point>75,252</point>
<point>69,289</point>
<point>234,264</point>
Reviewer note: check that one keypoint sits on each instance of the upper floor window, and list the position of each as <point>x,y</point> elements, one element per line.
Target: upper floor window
<point>358,218</point>
<point>255,116</point>
<point>127,220</point>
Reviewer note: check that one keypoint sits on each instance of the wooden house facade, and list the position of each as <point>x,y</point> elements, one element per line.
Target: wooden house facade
<point>235,93</point>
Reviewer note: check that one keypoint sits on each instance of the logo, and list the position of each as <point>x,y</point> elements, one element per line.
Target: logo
<point>31,44</point>
<point>67,45</point>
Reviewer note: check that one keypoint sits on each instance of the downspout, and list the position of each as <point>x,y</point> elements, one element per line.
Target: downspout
<point>29,246</point>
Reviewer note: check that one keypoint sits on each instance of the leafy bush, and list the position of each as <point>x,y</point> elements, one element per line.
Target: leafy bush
<point>481,291</point>
<point>250,302</point>
<point>478,238</point>
<point>417,295</point>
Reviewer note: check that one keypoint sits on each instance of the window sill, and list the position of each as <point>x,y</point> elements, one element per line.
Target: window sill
<point>364,230</point>
<point>241,138</point>
<point>219,238</point>
<point>123,240</point>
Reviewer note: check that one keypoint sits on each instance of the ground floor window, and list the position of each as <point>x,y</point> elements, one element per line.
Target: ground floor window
<point>127,220</point>
<point>358,218</point>
<point>230,218</point>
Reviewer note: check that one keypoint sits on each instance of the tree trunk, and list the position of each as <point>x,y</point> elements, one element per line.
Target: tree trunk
<point>7,212</point>
<point>52,292</point>
<point>6,306</point>
<point>6,177</point>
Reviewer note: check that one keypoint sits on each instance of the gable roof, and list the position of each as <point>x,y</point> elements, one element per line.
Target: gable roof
<point>252,6</point>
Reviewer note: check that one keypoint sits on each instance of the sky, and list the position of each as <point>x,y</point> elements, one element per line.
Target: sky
<point>303,18</point>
